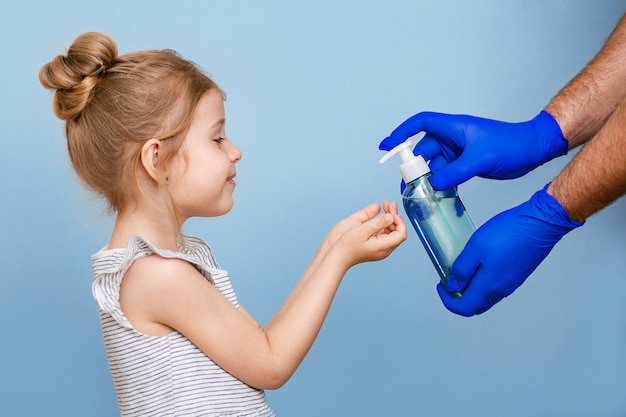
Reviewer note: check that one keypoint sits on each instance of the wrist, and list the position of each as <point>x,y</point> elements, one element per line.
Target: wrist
<point>555,211</point>
<point>547,128</point>
<point>341,256</point>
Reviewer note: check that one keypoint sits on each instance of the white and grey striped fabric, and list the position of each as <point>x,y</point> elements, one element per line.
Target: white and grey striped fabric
<point>168,375</point>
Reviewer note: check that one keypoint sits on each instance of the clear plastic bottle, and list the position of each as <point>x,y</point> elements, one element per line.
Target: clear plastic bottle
<point>439,217</point>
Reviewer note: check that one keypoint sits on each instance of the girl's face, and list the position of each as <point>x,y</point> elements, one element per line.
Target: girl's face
<point>201,178</point>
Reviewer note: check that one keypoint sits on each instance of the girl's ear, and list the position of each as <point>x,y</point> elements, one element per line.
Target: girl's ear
<point>150,159</point>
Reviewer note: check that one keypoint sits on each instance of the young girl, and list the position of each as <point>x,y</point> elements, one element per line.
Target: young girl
<point>146,131</point>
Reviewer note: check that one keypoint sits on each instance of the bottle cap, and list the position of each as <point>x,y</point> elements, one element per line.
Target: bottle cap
<point>412,166</point>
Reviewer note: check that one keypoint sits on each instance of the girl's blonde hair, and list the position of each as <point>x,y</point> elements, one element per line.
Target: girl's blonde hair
<point>112,104</point>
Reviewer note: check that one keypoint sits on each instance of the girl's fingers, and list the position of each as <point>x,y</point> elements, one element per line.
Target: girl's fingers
<point>378,224</point>
<point>390,207</point>
<point>366,213</point>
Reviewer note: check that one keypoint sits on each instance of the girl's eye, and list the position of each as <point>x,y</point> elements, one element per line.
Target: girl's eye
<point>220,140</point>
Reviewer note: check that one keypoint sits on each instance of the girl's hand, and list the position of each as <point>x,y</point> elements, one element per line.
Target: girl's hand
<point>362,237</point>
<point>357,219</point>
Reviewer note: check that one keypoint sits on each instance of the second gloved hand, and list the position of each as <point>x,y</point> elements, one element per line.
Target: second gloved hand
<point>503,252</point>
<point>460,147</point>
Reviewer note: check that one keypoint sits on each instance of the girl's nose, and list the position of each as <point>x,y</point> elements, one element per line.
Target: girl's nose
<point>235,153</point>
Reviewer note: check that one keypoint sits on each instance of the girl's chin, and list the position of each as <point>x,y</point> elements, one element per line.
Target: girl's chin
<point>222,209</point>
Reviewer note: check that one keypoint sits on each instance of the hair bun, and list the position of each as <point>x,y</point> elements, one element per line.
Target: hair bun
<point>73,76</point>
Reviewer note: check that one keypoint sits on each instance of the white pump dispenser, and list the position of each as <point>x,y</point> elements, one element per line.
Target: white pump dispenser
<point>439,217</point>
<point>412,166</point>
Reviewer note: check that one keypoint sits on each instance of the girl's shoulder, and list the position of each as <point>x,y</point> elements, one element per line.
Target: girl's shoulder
<point>191,249</point>
<point>197,248</point>
<point>111,266</point>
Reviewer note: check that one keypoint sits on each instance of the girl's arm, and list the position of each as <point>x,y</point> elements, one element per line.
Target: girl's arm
<point>335,233</point>
<point>167,294</point>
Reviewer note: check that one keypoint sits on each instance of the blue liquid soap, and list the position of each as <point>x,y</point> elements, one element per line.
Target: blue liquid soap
<point>439,217</point>
<point>441,222</point>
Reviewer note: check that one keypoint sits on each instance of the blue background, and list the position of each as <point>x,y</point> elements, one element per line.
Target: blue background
<point>313,86</point>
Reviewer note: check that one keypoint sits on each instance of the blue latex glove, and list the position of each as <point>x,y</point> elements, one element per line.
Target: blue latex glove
<point>460,147</point>
<point>503,252</point>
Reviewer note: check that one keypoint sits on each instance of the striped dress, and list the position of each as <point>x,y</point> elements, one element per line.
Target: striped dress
<point>166,375</point>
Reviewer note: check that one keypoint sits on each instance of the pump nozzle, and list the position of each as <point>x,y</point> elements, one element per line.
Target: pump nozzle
<point>412,166</point>
<point>404,149</point>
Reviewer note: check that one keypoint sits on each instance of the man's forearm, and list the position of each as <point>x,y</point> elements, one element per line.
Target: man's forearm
<point>583,106</point>
<point>597,175</point>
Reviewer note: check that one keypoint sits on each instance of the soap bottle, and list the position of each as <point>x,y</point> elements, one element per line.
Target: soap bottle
<point>439,217</point>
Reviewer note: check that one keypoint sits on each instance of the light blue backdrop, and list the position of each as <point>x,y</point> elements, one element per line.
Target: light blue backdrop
<point>312,88</point>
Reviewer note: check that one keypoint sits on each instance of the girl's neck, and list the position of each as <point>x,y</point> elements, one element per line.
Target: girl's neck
<point>152,225</point>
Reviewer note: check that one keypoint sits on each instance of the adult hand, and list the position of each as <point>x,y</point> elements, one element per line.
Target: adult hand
<point>460,147</point>
<point>503,252</point>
